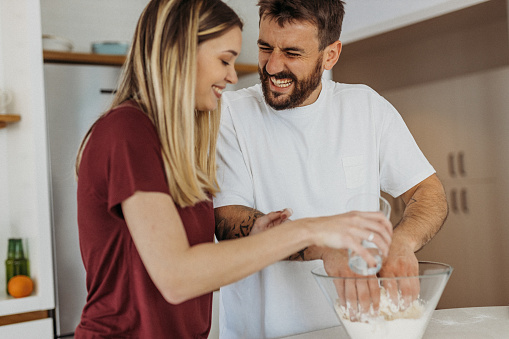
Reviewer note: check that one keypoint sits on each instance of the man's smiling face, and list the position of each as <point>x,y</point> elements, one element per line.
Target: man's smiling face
<point>289,63</point>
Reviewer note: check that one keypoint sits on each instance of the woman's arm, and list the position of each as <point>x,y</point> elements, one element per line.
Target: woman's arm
<point>182,272</point>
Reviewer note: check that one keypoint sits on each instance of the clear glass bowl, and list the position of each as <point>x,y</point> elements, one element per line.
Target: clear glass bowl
<point>405,303</point>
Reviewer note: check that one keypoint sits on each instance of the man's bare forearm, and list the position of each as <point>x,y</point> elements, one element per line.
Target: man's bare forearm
<point>236,221</point>
<point>425,213</point>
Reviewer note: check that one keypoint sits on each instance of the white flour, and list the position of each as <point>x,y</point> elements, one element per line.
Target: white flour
<point>392,322</point>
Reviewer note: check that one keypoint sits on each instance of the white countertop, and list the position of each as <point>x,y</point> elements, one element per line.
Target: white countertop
<point>455,323</point>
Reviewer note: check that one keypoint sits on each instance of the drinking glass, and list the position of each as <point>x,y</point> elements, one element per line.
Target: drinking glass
<point>367,202</point>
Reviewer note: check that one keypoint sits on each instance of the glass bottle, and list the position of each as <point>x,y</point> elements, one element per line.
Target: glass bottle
<point>16,263</point>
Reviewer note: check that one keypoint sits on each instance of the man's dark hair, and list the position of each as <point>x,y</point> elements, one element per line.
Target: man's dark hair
<point>327,15</point>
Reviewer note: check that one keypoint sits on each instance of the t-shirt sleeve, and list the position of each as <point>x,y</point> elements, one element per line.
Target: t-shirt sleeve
<point>402,163</point>
<point>233,175</point>
<point>129,148</point>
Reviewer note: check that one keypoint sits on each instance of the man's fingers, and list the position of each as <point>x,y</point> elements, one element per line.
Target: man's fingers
<point>363,295</point>
<point>352,306</point>
<point>374,289</point>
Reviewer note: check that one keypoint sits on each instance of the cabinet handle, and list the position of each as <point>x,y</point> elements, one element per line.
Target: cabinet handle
<point>450,161</point>
<point>463,199</point>
<point>461,164</point>
<point>454,201</point>
<point>108,91</point>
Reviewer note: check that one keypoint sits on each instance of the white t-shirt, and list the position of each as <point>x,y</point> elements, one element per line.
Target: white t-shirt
<point>311,159</point>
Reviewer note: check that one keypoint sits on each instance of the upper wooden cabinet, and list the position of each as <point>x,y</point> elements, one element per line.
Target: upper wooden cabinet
<point>368,18</point>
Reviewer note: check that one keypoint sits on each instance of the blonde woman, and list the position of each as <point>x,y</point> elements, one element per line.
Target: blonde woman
<point>146,175</point>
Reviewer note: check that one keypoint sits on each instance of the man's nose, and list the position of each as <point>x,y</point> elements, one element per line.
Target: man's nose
<point>275,63</point>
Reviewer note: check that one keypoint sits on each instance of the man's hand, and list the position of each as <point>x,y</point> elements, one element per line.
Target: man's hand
<point>362,296</point>
<point>401,262</point>
<point>357,296</point>
<point>263,223</point>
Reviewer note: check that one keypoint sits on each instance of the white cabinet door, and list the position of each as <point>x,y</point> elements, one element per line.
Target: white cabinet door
<point>37,329</point>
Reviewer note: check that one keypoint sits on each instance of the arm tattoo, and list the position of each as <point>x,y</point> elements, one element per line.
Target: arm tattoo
<point>236,225</point>
<point>299,256</point>
<point>237,222</point>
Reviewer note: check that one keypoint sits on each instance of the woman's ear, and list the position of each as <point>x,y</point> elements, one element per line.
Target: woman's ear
<point>331,54</point>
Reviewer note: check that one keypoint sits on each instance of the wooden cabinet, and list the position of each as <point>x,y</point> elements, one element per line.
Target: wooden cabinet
<point>364,19</point>
<point>455,122</point>
<point>454,100</point>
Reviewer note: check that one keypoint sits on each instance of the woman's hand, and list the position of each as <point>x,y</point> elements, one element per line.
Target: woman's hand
<point>349,230</point>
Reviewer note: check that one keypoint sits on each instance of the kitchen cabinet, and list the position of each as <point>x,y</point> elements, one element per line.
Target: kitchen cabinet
<point>454,100</point>
<point>37,329</point>
<point>368,18</point>
<point>453,121</point>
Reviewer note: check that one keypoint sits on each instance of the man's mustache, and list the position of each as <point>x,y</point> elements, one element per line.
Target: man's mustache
<point>280,75</point>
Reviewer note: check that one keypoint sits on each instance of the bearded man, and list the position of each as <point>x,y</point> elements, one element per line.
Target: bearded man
<point>299,141</point>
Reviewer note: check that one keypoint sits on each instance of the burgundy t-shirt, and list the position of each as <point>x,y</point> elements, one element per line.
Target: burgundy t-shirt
<point>123,156</point>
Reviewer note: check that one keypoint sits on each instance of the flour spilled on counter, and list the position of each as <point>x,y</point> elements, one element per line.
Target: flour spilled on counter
<point>392,321</point>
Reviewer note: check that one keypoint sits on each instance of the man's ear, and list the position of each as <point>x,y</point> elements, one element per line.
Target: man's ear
<point>331,54</point>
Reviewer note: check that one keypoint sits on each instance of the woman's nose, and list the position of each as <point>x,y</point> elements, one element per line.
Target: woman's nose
<point>231,76</point>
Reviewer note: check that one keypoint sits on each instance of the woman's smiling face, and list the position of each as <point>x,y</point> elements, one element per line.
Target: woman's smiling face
<point>215,68</point>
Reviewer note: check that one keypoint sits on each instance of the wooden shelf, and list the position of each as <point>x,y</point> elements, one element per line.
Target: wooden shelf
<point>83,58</point>
<point>244,69</point>
<point>8,118</point>
<point>112,60</point>
<point>22,317</point>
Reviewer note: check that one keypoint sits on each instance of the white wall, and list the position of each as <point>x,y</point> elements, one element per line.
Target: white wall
<point>24,189</point>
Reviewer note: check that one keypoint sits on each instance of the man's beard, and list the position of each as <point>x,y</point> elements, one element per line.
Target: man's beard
<point>301,91</point>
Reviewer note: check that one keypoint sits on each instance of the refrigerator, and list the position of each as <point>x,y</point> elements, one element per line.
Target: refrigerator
<point>75,96</point>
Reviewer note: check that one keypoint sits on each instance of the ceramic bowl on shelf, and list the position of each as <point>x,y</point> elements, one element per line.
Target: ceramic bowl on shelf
<point>400,315</point>
<point>110,47</point>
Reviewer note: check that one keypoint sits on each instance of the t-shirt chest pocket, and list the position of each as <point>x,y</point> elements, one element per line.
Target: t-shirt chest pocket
<point>355,171</point>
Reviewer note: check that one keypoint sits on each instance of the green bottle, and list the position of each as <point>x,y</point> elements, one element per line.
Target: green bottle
<point>16,263</point>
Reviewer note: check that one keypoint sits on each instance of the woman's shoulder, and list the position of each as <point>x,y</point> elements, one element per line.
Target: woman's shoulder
<point>125,121</point>
<point>127,112</point>
<point>126,115</point>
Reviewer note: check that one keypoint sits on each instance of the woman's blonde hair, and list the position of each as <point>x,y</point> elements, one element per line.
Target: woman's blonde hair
<point>160,76</point>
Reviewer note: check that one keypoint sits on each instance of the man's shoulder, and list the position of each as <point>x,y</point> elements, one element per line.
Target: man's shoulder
<point>252,93</point>
<point>344,88</point>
